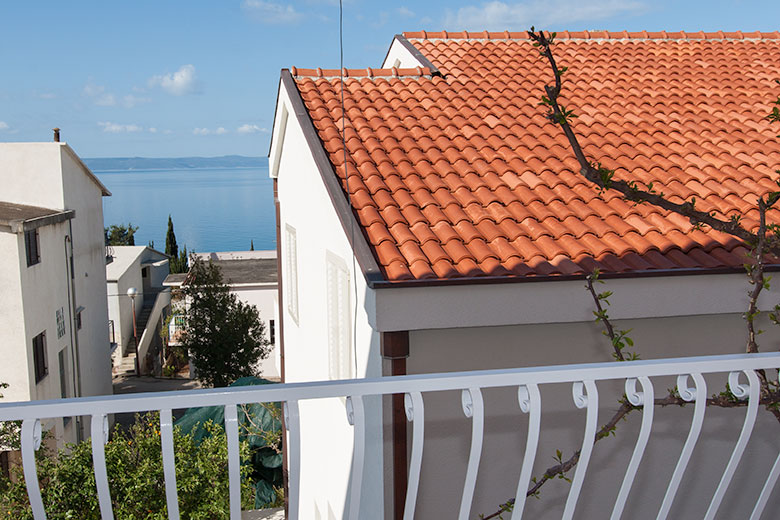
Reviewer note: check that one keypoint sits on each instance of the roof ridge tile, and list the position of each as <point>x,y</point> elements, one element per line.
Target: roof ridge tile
<point>367,73</point>
<point>596,35</point>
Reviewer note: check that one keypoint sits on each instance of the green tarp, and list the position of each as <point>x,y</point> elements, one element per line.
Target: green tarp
<point>256,423</point>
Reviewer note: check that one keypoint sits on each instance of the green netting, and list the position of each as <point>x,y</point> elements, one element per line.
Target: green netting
<point>257,423</point>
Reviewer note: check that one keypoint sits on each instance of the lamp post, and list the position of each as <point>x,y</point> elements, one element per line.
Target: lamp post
<point>131,292</point>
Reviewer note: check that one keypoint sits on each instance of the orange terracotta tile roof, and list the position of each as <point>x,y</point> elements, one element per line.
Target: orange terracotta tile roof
<point>462,176</point>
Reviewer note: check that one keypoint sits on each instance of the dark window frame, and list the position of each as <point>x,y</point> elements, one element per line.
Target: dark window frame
<point>39,357</point>
<point>32,247</point>
<point>272,331</point>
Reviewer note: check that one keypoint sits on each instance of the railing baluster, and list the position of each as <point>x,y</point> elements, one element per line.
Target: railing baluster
<point>699,394</point>
<point>584,394</point>
<point>99,431</point>
<point>234,462</point>
<point>357,419</point>
<point>292,421</point>
<point>169,463</point>
<point>769,486</point>
<point>531,403</point>
<point>645,399</point>
<point>740,392</point>
<point>473,407</point>
<point>31,441</point>
<point>415,412</point>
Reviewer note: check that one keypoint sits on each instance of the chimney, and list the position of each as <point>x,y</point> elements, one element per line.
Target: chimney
<point>56,135</point>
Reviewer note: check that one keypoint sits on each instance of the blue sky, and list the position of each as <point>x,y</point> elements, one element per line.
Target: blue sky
<point>175,78</point>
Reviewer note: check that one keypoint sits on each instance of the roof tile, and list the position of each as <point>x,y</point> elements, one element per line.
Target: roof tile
<point>461,175</point>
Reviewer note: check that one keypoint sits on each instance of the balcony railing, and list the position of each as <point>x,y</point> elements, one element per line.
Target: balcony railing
<point>175,328</point>
<point>639,390</point>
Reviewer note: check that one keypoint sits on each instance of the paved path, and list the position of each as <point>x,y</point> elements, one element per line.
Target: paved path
<point>134,385</point>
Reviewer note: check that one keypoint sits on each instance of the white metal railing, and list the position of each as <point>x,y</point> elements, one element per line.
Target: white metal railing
<point>527,381</point>
<point>175,328</point>
<point>150,333</point>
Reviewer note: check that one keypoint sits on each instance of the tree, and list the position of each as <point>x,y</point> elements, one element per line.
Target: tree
<point>761,243</point>
<point>135,477</point>
<point>120,235</point>
<point>179,264</point>
<point>171,249</point>
<point>224,336</point>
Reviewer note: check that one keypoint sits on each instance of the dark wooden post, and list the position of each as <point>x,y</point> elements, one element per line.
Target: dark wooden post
<point>395,348</point>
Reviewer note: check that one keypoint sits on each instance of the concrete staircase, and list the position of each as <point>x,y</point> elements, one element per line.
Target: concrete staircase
<point>127,366</point>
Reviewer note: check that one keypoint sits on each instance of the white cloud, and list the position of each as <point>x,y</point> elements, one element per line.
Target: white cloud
<point>99,95</point>
<point>181,82</point>
<point>207,131</point>
<point>4,125</point>
<point>47,95</point>
<point>405,12</point>
<point>251,129</point>
<point>130,101</point>
<point>271,13</point>
<point>152,130</point>
<point>116,128</point>
<point>497,16</point>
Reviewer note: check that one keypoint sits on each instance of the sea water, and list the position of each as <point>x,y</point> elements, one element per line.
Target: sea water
<point>216,209</point>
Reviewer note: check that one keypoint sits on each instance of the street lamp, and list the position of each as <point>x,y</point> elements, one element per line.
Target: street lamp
<point>132,292</point>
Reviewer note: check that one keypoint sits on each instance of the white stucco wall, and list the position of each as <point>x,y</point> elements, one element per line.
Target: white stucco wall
<point>326,436</point>
<point>263,296</point>
<point>52,176</point>
<point>13,347</point>
<point>83,195</point>
<point>399,53</point>
<point>30,298</point>
<point>448,434</point>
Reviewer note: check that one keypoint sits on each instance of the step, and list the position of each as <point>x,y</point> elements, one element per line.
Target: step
<point>127,365</point>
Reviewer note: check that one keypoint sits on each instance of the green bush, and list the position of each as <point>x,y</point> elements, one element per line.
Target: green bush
<point>135,475</point>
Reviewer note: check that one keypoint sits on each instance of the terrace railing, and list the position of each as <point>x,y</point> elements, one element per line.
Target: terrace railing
<point>638,377</point>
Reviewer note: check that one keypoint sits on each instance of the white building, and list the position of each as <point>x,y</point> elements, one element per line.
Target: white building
<point>53,316</point>
<point>143,269</point>
<point>251,276</point>
<point>458,232</point>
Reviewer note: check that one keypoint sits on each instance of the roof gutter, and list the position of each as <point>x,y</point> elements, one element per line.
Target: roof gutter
<point>360,246</point>
<point>488,280</point>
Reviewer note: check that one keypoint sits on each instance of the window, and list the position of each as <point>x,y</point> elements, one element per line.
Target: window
<point>62,358</point>
<point>78,317</point>
<point>39,356</point>
<point>272,331</point>
<point>291,282</point>
<point>31,246</point>
<point>340,359</point>
<point>60,322</point>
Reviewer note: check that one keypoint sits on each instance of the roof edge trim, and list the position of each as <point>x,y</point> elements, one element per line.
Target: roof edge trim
<point>403,40</point>
<point>500,280</point>
<point>103,190</point>
<point>363,253</point>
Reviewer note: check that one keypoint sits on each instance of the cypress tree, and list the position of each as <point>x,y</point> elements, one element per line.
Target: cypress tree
<point>171,249</point>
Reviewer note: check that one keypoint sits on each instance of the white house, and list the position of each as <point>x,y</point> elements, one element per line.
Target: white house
<point>54,320</point>
<point>251,276</point>
<point>437,222</point>
<point>143,269</point>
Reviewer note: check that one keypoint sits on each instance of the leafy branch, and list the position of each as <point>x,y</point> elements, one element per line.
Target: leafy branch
<point>765,241</point>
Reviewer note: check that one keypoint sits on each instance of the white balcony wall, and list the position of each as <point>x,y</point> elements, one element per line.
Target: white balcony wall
<point>448,432</point>
<point>325,451</point>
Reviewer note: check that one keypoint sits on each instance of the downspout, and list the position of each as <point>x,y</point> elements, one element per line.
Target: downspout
<point>280,335</point>
<point>394,347</point>
<point>74,355</point>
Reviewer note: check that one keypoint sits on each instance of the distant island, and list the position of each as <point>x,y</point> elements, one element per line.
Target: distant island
<point>173,163</point>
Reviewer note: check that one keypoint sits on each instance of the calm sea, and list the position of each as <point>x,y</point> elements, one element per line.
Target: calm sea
<point>212,209</point>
